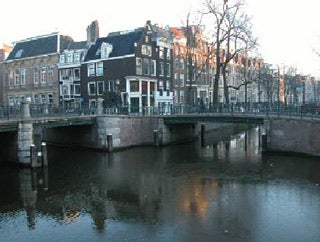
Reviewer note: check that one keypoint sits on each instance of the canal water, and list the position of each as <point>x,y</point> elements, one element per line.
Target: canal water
<point>225,191</point>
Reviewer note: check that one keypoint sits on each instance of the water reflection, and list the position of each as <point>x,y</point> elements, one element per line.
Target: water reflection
<point>227,191</point>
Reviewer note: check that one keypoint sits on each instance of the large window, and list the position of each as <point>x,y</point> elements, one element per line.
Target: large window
<point>35,76</point>
<point>146,66</point>
<point>146,50</point>
<point>65,74</point>
<point>43,75</point>
<point>134,86</point>
<point>23,76</point>
<point>168,69</point>
<point>50,74</point>
<point>100,87</point>
<point>91,88</point>
<point>11,78</point>
<point>161,71</point>
<point>77,90</point>
<point>153,68</point>
<point>138,66</point>
<point>91,69</point>
<point>77,74</point>
<point>99,71</point>
<point>16,78</point>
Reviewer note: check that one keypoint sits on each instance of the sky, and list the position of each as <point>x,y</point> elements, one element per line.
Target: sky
<point>287,30</point>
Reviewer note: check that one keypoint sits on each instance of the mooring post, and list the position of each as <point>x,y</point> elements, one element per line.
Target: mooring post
<point>264,142</point>
<point>33,156</point>
<point>203,130</point>
<point>109,143</point>
<point>44,153</point>
<point>156,137</point>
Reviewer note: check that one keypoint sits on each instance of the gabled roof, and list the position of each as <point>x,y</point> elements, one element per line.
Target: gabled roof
<point>37,46</point>
<point>122,44</point>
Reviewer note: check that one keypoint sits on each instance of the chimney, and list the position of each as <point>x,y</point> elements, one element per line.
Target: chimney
<point>92,32</point>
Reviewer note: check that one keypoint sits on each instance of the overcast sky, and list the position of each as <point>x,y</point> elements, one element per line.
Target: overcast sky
<point>287,30</point>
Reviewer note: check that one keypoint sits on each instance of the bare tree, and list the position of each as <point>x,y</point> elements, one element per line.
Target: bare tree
<point>232,35</point>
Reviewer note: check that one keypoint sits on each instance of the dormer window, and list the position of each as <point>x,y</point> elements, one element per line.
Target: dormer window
<point>62,59</point>
<point>19,53</point>
<point>106,50</point>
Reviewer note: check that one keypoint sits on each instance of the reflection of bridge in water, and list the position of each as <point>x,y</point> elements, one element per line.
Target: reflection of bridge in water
<point>97,130</point>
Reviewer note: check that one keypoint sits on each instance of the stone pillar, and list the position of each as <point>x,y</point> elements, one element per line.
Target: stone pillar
<point>25,141</point>
<point>25,110</point>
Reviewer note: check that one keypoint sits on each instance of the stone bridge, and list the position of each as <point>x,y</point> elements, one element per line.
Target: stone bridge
<point>24,140</point>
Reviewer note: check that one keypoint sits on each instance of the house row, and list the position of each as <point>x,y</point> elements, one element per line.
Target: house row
<point>149,66</point>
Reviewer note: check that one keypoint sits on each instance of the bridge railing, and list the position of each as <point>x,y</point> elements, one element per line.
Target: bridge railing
<point>44,110</point>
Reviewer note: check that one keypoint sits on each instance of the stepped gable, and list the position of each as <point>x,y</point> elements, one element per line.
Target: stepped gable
<point>123,44</point>
<point>37,46</point>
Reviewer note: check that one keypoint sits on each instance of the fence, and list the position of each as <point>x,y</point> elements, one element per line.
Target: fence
<point>38,111</point>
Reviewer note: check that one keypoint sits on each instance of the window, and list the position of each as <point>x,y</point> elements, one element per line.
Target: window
<point>77,74</point>
<point>182,80</point>
<point>161,53</point>
<point>91,69</point>
<point>99,70</point>
<point>92,88</point>
<point>23,76</point>
<point>161,88</point>
<point>167,85</point>
<point>69,58</point>
<point>50,74</point>
<point>36,99</point>
<point>146,50</point>
<point>161,71</point>
<point>134,86</point>
<point>77,90</point>
<point>153,68</point>
<point>138,66</point>
<point>168,54</point>
<point>106,50</point>
<point>111,86</point>
<point>146,67</point>
<point>176,61</point>
<point>16,78</point>
<point>11,101</point>
<point>51,99</point>
<point>65,74</point>
<point>100,87</point>
<point>77,57</point>
<point>35,76</point>
<point>62,59</point>
<point>181,63</point>
<point>11,78</point>
<point>43,75</point>
<point>181,96</point>
<point>43,98</point>
<point>92,103</point>
<point>168,70</point>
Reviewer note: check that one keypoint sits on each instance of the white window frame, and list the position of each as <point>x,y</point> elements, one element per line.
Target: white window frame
<point>35,76</point>
<point>100,92</point>
<point>93,93</point>
<point>91,69</point>
<point>138,66</point>
<point>99,69</point>
<point>23,77</point>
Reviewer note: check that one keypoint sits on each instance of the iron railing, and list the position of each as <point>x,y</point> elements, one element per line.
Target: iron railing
<point>40,111</point>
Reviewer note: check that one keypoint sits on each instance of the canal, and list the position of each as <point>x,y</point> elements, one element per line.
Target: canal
<point>225,191</point>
